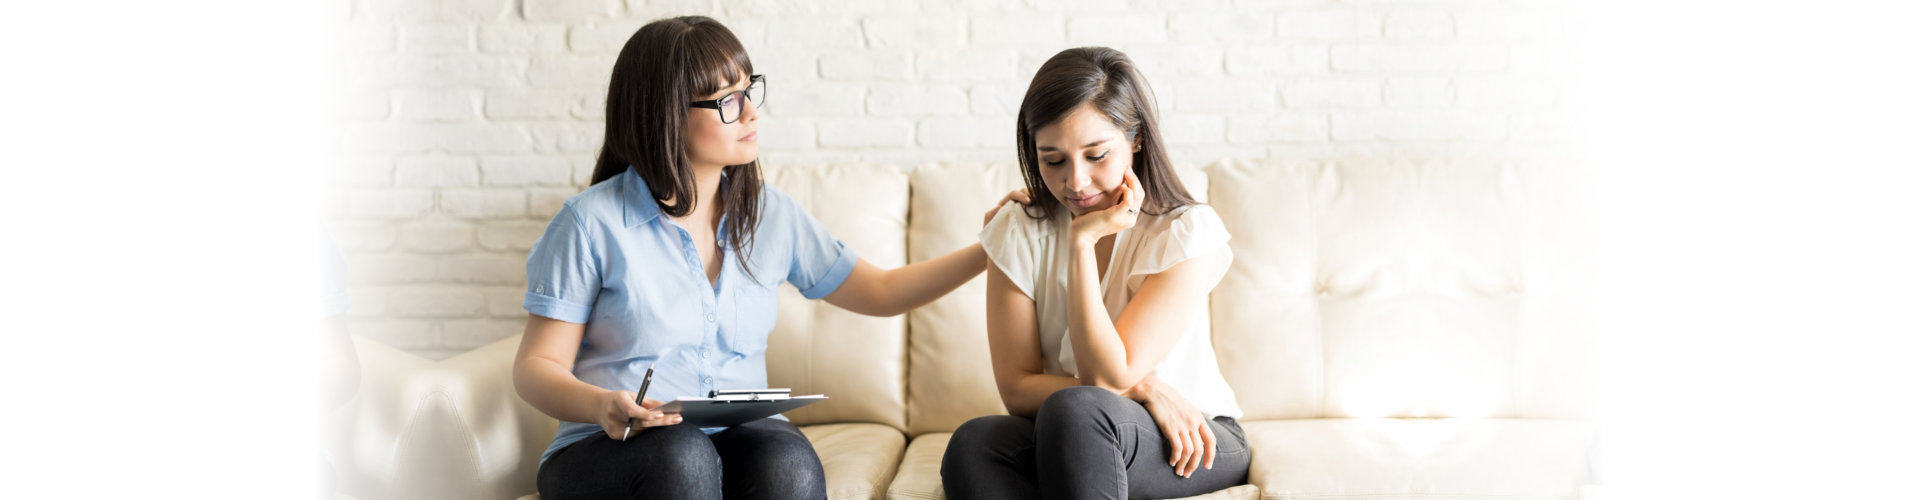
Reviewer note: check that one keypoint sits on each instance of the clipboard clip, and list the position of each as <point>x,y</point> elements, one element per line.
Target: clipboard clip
<point>750,395</point>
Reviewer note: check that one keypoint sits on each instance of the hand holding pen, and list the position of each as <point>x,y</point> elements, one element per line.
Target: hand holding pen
<point>626,413</point>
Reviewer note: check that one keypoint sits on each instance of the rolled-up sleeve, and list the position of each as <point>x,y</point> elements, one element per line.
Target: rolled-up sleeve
<point>563,270</point>
<point>820,262</point>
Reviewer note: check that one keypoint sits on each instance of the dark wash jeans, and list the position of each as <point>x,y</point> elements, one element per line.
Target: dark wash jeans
<point>766,458</point>
<point>1086,442</point>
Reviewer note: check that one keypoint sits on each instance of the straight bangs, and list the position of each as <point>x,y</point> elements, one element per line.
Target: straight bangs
<point>714,59</point>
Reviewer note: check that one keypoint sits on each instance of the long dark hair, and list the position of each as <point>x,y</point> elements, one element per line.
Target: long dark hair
<point>1107,79</point>
<point>663,67</point>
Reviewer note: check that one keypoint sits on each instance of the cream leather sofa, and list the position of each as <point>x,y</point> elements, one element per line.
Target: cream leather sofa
<point>1393,329</point>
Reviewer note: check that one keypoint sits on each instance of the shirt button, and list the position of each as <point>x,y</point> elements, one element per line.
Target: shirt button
<point>708,381</point>
<point>709,317</point>
<point>706,354</point>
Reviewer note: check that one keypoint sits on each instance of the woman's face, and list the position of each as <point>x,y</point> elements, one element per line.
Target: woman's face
<point>711,143</point>
<point>1083,158</point>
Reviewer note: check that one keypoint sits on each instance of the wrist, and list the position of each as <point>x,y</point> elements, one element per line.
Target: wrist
<point>1083,241</point>
<point>1140,391</point>
<point>606,400</point>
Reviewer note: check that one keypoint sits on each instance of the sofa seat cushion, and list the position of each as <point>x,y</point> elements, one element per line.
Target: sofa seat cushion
<point>860,458</point>
<point>919,477</point>
<point>1315,459</point>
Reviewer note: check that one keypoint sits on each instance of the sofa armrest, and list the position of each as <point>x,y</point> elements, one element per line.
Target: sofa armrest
<point>449,429</point>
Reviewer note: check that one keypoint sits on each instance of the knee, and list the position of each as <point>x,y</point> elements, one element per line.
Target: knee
<point>974,438</point>
<point>679,454</point>
<point>794,466</point>
<point>1077,403</point>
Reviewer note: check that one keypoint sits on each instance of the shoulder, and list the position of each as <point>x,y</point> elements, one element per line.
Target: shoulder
<point>1197,213</point>
<point>773,200</point>
<point>597,204</point>
<point>1183,234</point>
<point>1012,224</point>
<point>1192,223</point>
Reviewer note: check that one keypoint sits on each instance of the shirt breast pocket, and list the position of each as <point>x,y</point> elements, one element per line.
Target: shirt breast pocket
<point>755,307</point>
<point>655,325</point>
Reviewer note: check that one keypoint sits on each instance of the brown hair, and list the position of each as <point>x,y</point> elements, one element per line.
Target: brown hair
<point>1107,79</point>
<point>665,66</point>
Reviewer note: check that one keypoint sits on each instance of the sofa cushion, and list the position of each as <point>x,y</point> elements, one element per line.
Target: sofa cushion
<point>949,381</point>
<point>919,477</point>
<point>858,361</point>
<point>1324,459</point>
<point>860,459</point>
<point>1368,287</point>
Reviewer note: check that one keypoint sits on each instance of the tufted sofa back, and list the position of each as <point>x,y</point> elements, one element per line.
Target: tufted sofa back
<point>1360,287</point>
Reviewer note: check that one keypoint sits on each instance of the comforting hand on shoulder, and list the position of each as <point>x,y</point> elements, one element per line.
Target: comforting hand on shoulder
<point>1019,195</point>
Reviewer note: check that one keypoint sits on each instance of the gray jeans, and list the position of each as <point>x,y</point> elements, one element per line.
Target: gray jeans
<point>1086,442</point>
<point>765,458</point>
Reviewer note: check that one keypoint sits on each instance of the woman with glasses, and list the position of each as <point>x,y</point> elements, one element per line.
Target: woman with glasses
<point>1097,308</point>
<point>671,260</point>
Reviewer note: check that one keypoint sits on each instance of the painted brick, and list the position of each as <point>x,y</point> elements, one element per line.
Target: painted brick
<point>866,132</point>
<point>521,38</point>
<point>483,203</point>
<point>436,236</point>
<point>915,32</point>
<point>1419,58</point>
<point>526,170</point>
<point>1418,126</point>
<point>436,171</point>
<point>516,235</point>
<point>909,99</point>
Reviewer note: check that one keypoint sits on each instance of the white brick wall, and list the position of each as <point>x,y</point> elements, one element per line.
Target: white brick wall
<point>465,123</point>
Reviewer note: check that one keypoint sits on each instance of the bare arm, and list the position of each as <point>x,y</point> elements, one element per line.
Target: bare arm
<point>543,376</point>
<point>543,370</point>
<point>873,291</point>
<point>1013,337</point>
<point>1117,354</point>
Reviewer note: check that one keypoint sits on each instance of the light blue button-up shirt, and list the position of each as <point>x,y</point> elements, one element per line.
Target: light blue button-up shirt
<point>611,260</point>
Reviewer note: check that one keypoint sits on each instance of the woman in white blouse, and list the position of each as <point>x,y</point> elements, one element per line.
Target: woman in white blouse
<point>1097,308</point>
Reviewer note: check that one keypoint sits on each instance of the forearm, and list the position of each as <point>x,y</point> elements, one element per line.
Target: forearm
<point>1025,392</point>
<point>553,390</point>
<point>920,283</point>
<point>1099,354</point>
<point>1024,395</point>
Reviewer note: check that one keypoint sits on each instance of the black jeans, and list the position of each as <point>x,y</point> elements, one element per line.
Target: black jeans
<point>1086,442</point>
<point>766,458</point>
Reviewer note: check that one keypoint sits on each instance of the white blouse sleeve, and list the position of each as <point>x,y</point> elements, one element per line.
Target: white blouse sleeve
<point>1195,233</point>
<point>1009,240</point>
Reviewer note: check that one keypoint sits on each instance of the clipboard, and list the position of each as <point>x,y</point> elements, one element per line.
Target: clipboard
<point>732,408</point>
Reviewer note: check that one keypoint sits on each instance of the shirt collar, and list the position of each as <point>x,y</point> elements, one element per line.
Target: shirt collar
<point>640,207</point>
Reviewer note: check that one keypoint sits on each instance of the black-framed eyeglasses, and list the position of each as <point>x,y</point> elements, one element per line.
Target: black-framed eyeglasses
<point>734,103</point>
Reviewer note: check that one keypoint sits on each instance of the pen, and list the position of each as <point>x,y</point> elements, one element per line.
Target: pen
<point>637,398</point>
